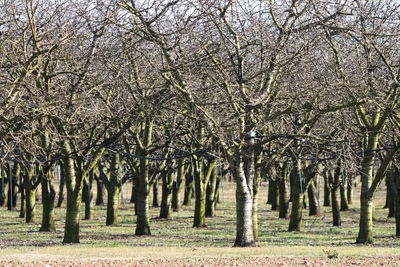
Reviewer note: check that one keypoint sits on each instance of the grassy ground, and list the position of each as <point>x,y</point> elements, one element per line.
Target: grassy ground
<point>175,242</point>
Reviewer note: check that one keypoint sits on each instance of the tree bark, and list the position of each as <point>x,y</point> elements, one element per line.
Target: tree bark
<point>30,195</point>
<point>313,199</point>
<point>178,187</point>
<point>62,185</point>
<point>100,192</point>
<point>74,185</point>
<point>48,200</point>
<point>167,181</point>
<point>142,199</point>
<point>155,194</point>
<point>187,199</point>
<point>283,192</point>
<point>297,198</point>
<point>89,196</point>
<point>327,192</point>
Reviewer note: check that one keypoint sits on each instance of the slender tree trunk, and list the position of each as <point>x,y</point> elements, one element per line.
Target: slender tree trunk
<point>62,185</point>
<point>88,192</point>
<point>200,192</point>
<point>112,205</point>
<point>212,194</point>
<point>12,187</point>
<point>133,190</point>
<point>349,190</point>
<point>344,204</point>
<point>327,192</point>
<point>391,193</point>
<point>30,199</point>
<point>3,186</point>
<point>167,181</point>
<point>393,182</point>
<point>297,198</point>
<point>71,234</point>
<point>365,234</point>
<point>274,184</point>
<point>283,192</point>
<point>48,199</point>
<point>187,199</point>
<point>335,178</point>
<point>100,192</point>
<point>74,197</point>
<point>155,194</point>
<point>313,199</point>
<point>200,205</point>
<point>23,205</point>
<point>142,200</point>
<point>178,187</point>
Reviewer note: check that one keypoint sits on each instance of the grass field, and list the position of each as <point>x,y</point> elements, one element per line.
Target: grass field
<point>176,242</point>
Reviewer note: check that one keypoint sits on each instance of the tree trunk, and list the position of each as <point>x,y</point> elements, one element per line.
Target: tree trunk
<point>88,192</point>
<point>12,187</point>
<point>256,190</point>
<point>100,192</point>
<point>283,192</point>
<point>3,186</point>
<point>274,184</point>
<point>244,171</point>
<point>391,193</point>
<point>142,199</point>
<point>344,204</point>
<point>349,190</point>
<point>30,196</point>
<point>327,192</point>
<point>71,233</point>
<point>167,181</point>
<point>74,184</point>
<point>22,212</point>
<point>297,198</point>
<point>62,185</point>
<point>187,199</point>
<point>313,198</point>
<point>211,195</point>
<point>365,234</point>
<point>335,182</point>
<point>112,205</point>
<point>178,187</point>
<point>48,200</point>
<point>155,194</point>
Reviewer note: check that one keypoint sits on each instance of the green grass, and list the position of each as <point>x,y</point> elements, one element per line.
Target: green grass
<point>317,232</point>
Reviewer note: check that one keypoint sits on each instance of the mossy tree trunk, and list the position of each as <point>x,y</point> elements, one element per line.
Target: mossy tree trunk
<point>211,194</point>
<point>48,199</point>
<point>166,196</point>
<point>393,182</point>
<point>31,182</point>
<point>370,180</point>
<point>314,208</point>
<point>178,187</point>
<point>75,171</point>
<point>297,197</point>
<point>112,181</point>
<point>187,199</point>
<point>88,192</point>
<point>335,178</point>
<point>344,203</point>
<point>283,191</point>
